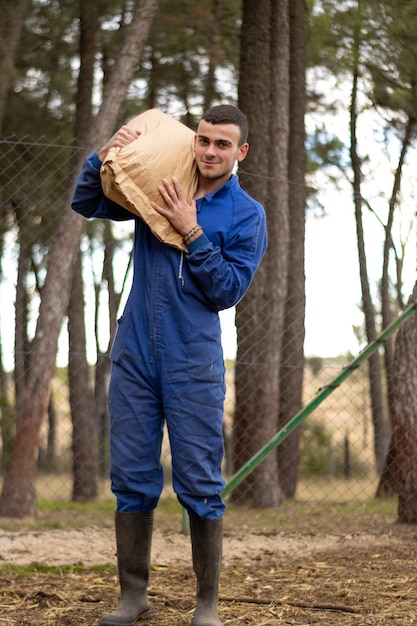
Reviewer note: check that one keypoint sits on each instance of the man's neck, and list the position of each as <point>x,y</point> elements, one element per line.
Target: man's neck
<point>206,186</point>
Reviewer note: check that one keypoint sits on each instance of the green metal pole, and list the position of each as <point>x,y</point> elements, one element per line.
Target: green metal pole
<point>185,522</point>
<point>322,394</point>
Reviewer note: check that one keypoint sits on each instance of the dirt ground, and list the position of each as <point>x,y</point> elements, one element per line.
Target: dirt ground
<point>295,571</point>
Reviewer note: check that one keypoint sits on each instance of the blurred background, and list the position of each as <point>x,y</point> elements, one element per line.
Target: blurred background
<point>329,89</point>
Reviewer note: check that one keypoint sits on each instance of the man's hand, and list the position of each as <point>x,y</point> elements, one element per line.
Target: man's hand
<point>179,213</point>
<point>124,136</point>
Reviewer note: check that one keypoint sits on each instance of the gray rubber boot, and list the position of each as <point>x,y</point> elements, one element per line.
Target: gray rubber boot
<point>207,543</point>
<point>133,540</point>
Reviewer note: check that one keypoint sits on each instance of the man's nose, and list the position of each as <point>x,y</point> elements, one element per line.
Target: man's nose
<point>211,149</point>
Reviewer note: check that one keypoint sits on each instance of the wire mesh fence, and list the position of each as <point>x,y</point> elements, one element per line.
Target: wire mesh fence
<point>337,446</point>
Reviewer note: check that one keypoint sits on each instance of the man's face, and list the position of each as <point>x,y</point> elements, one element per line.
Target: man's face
<point>217,149</point>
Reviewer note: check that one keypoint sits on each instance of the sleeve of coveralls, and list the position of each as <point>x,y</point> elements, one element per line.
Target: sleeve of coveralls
<point>225,274</point>
<point>88,198</point>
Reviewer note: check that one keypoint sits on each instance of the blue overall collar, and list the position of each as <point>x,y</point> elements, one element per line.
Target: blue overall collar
<point>230,183</point>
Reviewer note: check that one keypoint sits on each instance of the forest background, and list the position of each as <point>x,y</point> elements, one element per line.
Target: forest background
<point>329,89</point>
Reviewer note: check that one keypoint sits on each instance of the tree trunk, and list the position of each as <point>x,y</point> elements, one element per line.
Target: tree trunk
<point>51,451</point>
<point>21,340</point>
<point>210,88</point>
<point>292,352</point>
<point>7,421</point>
<point>122,73</point>
<point>7,408</point>
<point>264,72</point>
<point>12,22</point>
<point>103,361</point>
<point>84,432</point>
<point>18,497</point>
<point>84,437</point>
<point>388,484</point>
<point>388,247</point>
<point>379,417</point>
<point>405,417</point>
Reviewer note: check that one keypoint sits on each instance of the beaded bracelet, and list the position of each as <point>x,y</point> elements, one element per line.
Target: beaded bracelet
<point>192,232</point>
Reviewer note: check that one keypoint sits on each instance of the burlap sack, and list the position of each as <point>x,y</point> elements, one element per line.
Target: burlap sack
<point>131,175</point>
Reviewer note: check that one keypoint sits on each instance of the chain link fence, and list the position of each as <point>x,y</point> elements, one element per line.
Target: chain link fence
<point>337,453</point>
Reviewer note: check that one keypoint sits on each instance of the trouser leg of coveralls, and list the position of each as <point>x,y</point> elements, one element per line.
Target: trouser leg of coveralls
<point>206,541</point>
<point>133,540</point>
<point>194,416</point>
<point>136,432</point>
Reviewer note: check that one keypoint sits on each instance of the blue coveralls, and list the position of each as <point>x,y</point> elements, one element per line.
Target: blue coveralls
<point>167,359</point>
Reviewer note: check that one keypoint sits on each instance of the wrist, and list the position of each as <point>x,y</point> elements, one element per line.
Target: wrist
<point>102,154</point>
<point>192,234</point>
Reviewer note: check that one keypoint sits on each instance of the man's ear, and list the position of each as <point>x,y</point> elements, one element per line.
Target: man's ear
<point>242,152</point>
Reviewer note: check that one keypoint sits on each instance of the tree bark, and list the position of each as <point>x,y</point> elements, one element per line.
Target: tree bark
<point>21,340</point>
<point>18,497</point>
<point>379,416</point>
<point>405,417</point>
<point>388,484</point>
<point>12,21</point>
<point>210,88</point>
<point>7,412</point>
<point>292,352</point>
<point>51,443</point>
<point>264,72</point>
<point>122,73</point>
<point>84,431</point>
<point>84,437</point>
<point>103,361</point>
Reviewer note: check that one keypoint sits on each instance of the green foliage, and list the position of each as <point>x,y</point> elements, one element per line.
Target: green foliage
<point>332,28</point>
<point>325,150</point>
<point>315,363</point>
<point>321,456</point>
<point>42,99</point>
<point>75,507</point>
<point>36,569</point>
<point>315,451</point>
<point>393,63</point>
<point>190,46</point>
<point>378,37</point>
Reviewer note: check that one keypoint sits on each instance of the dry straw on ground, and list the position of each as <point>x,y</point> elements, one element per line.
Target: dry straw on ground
<point>293,568</point>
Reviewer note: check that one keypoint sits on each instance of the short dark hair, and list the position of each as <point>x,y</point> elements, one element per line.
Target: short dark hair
<point>228,114</point>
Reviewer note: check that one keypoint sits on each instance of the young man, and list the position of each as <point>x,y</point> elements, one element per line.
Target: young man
<point>167,360</point>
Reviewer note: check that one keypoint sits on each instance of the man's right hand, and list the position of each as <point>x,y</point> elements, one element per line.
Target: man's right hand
<point>123,137</point>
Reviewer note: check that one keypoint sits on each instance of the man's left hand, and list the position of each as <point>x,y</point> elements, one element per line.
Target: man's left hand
<point>181,214</point>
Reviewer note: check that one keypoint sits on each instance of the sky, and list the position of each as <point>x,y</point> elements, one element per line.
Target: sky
<point>333,294</point>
